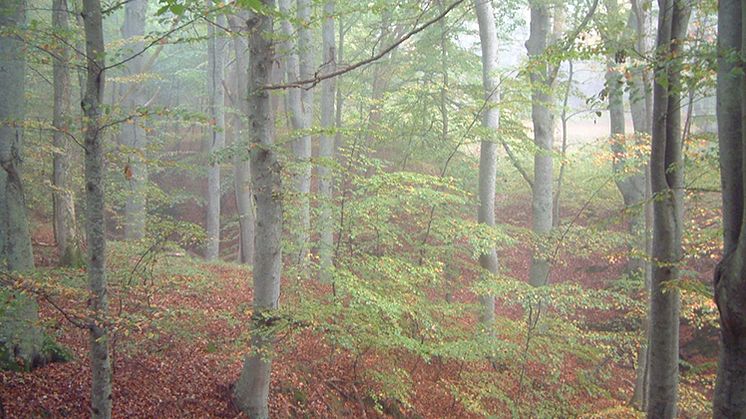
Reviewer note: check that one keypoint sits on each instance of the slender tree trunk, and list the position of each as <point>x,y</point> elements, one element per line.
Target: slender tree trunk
<point>77,6</point>
<point>64,221</point>
<point>326,144</point>
<point>564,118</point>
<point>242,166</point>
<point>488,149</point>
<point>216,140</point>
<point>297,106</point>
<point>640,98</point>
<point>252,389</point>
<point>302,146</point>
<point>543,124</point>
<point>95,229</point>
<point>729,399</point>
<point>20,337</point>
<point>630,174</point>
<point>16,253</point>
<point>667,179</point>
<point>133,135</point>
<point>445,122</point>
<point>340,95</point>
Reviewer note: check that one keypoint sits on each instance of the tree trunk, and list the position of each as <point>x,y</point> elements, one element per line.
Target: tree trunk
<point>564,117</point>
<point>95,229</point>
<point>667,179</point>
<point>302,146</point>
<point>296,104</point>
<point>543,124</point>
<point>340,96</point>
<point>640,98</point>
<point>488,148</point>
<point>242,167</point>
<point>20,336</point>
<point>15,252</point>
<point>326,144</point>
<point>641,93</point>
<point>216,141</point>
<point>133,133</point>
<point>252,389</point>
<point>629,173</point>
<point>64,221</point>
<point>729,399</point>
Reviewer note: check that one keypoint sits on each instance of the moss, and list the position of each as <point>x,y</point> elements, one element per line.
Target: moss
<point>73,257</point>
<point>55,352</point>
<point>24,345</point>
<point>7,360</point>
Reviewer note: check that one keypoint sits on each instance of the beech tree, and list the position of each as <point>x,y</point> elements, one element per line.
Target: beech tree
<point>216,140</point>
<point>729,399</point>
<point>302,146</point>
<point>641,107</point>
<point>63,202</point>
<point>95,230</point>
<point>252,389</point>
<point>667,180</point>
<point>20,336</point>
<point>326,142</point>
<point>133,136</point>
<point>241,165</point>
<point>629,165</point>
<point>488,148</point>
<point>543,125</point>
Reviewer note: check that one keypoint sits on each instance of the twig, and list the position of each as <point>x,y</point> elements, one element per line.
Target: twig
<point>317,78</point>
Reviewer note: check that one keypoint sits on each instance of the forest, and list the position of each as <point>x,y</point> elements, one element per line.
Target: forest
<point>363,209</point>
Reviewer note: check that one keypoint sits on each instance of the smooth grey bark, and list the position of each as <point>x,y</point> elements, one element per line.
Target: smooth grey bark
<point>63,202</point>
<point>640,92</point>
<point>340,97</point>
<point>729,398</point>
<point>216,46</point>
<point>639,398</point>
<point>641,99</point>
<point>296,106</point>
<point>95,230</point>
<point>326,144</point>
<point>20,336</point>
<point>302,146</point>
<point>444,118</point>
<point>630,178</point>
<point>488,148</point>
<point>15,239</point>
<point>133,135</point>
<point>543,125</point>
<point>241,164</point>
<point>252,389</point>
<point>77,9</point>
<point>630,175</point>
<point>564,118</point>
<point>667,180</point>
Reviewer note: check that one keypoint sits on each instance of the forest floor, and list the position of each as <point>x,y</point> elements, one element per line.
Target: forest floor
<point>186,365</point>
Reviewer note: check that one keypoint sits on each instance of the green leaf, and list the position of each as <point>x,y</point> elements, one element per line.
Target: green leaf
<point>177,9</point>
<point>253,5</point>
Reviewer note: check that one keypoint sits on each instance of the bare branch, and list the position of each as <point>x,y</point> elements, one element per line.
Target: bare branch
<point>310,83</point>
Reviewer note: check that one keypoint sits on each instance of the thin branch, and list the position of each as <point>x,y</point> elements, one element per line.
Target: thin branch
<point>317,78</point>
<point>514,160</point>
<point>10,282</point>
<point>114,7</point>
<point>154,42</point>
<point>569,40</point>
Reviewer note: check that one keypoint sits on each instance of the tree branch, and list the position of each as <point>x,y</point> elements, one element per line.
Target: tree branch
<point>317,78</point>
